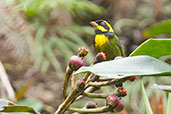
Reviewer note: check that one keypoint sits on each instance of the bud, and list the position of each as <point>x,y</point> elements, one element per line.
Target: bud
<point>75,62</point>
<point>132,78</point>
<point>82,51</point>
<point>121,92</point>
<point>91,105</point>
<point>80,84</point>
<point>112,100</point>
<point>119,107</point>
<point>100,57</point>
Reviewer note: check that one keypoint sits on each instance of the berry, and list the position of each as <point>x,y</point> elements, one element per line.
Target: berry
<point>100,57</point>
<point>91,105</point>
<point>82,51</point>
<point>112,100</point>
<point>119,107</point>
<point>75,62</point>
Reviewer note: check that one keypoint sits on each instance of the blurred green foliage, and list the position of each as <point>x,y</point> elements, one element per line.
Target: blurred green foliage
<point>77,8</point>
<point>161,28</point>
<point>56,32</point>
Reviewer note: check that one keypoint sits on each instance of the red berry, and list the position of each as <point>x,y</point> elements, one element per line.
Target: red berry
<point>121,92</point>
<point>100,57</point>
<point>75,62</point>
<point>133,78</point>
<point>122,89</point>
<point>82,51</point>
<point>112,100</point>
<point>119,107</point>
<point>91,105</point>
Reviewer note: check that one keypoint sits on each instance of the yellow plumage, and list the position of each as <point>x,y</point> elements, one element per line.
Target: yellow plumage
<point>100,39</point>
<point>110,27</point>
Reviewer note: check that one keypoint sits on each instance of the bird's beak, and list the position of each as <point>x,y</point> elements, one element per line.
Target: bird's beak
<point>93,23</point>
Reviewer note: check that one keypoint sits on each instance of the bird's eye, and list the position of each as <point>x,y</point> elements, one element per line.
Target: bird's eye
<point>102,23</point>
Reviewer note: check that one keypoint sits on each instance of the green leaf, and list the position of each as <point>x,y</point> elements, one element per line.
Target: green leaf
<point>8,106</point>
<point>154,48</point>
<point>129,66</point>
<point>162,87</point>
<point>169,104</point>
<point>37,104</point>
<point>163,27</point>
<point>145,99</point>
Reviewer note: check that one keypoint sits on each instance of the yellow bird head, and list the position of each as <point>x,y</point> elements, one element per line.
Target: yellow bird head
<point>101,26</point>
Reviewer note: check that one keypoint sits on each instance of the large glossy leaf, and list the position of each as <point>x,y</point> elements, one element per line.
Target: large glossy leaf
<point>166,88</point>
<point>163,27</point>
<point>154,48</point>
<point>129,66</point>
<point>7,106</point>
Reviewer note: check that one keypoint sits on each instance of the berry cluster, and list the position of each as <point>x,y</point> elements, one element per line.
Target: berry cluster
<point>87,86</point>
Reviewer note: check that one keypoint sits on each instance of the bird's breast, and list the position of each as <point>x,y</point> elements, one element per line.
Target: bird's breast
<point>100,39</point>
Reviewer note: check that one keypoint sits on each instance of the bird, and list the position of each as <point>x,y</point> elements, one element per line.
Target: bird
<point>105,40</point>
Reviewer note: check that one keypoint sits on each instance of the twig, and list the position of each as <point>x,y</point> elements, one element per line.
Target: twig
<point>66,79</point>
<point>95,95</point>
<point>78,89</point>
<point>94,110</point>
<point>90,89</point>
<point>107,83</point>
<point>86,76</point>
<point>105,79</point>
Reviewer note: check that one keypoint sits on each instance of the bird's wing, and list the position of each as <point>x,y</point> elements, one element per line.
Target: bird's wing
<point>120,46</point>
<point>116,41</point>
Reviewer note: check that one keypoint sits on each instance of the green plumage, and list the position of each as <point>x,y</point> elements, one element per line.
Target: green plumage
<point>111,48</point>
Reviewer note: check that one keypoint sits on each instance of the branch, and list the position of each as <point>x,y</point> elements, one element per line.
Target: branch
<point>95,95</point>
<point>107,83</point>
<point>90,89</point>
<point>94,110</point>
<point>66,79</point>
<point>78,89</point>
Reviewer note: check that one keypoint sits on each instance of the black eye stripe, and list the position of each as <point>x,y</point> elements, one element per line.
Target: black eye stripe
<point>106,27</point>
<point>103,24</point>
